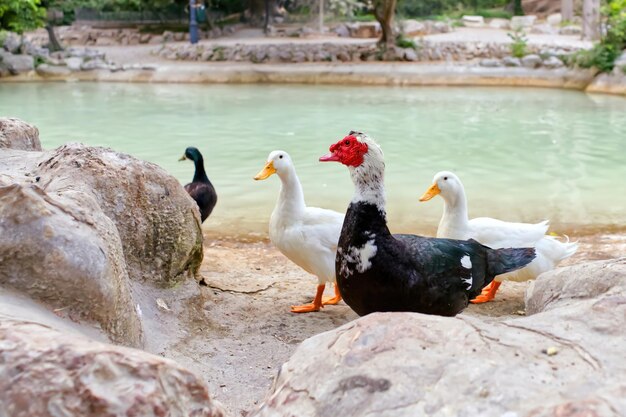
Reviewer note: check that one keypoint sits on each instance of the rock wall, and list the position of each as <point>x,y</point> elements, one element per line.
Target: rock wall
<point>425,51</point>
<point>565,361</point>
<point>45,373</point>
<point>16,134</point>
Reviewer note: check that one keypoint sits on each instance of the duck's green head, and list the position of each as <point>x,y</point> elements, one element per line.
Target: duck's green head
<point>191,153</point>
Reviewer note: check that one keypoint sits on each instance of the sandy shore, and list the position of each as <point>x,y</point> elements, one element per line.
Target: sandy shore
<point>238,330</point>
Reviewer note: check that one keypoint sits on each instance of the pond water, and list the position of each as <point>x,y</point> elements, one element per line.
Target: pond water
<point>523,154</point>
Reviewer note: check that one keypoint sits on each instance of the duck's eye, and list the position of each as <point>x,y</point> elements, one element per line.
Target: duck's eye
<point>445,178</point>
<point>280,156</point>
<point>347,142</point>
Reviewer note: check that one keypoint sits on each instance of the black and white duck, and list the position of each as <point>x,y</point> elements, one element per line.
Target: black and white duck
<point>378,271</point>
<point>200,188</point>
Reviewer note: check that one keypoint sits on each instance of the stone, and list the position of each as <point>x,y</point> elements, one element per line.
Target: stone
<point>569,285</point>
<point>155,217</point>
<point>46,373</point>
<point>179,36</point>
<point>74,63</point>
<point>511,61</point>
<point>490,63</point>
<point>553,62</point>
<point>523,22</point>
<point>412,27</point>
<point>59,248</point>
<point>554,19</point>
<point>157,39</point>
<point>544,29</point>
<point>572,30</point>
<point>17,64</point>
<point>531,61</point>
<point>365,30</point>
<point>12,42</point>
<point>16,134</point>
<point>562,361</point>
<point>106,42</point>
<point>48,70</point>
<point>342,31</point>
<point>473,21</point>
<point>410,54</point>
<point>94,64</point>
<point>499,23</point>
<point>441,27</point>
<point>145,38</point>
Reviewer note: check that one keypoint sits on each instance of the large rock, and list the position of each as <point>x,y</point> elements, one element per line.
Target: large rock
<point>523,22</point>
<point>158,223</point>
<point>569,285</point>
<point>16,134</point>
<point>12,42</point>
<point>562,362</point>
<point>46,373</point>
<point>412,27</point>
<point>66,256</point>
<point>17,64</point>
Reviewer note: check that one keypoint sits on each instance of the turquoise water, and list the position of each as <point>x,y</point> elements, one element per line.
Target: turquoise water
<point>523,154</point>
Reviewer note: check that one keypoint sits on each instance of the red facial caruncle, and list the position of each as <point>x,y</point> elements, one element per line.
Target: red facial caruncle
<point>349,151</point>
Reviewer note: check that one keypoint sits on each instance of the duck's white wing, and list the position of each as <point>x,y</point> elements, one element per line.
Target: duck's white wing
<point>499,234</point>
<point>311,243</point>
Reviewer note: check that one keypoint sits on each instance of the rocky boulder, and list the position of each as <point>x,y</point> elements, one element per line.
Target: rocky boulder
<point>16,64</point>
<point>157,221</point>
<point>16,134</point>
<point>67,256</point>
<point>569,285</point>
<point>568,360</point>
<point>46,373</point>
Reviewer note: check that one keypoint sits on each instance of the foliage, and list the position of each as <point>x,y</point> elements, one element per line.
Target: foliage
<point>519,44</point>
<point>346,8</point>
<point>20,15</point>
<point>403,42</point>
<point>604,54</point>
<point>452,8</point>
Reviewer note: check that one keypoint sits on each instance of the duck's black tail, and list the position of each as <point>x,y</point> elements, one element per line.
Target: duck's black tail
<point>501,261</point>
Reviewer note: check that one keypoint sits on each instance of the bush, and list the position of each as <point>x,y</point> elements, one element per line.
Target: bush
<point>430,8</point>
<point>604,54</point>
<point>520,42</point>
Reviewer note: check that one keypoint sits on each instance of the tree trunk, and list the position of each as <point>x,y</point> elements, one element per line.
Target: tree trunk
<point>591,19</point>
<point>567,10</point>
<point>257,15</point>
<point>54,44</point>
<point>384,11</point>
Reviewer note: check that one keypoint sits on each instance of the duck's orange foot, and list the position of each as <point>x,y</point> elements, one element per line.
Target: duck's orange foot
<point>488,293</point>
<point>332,300</point>
<point>306,308</point>
<point>314,306</point>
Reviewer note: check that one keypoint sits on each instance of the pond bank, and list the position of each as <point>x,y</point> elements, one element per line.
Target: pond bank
<point>392,74</point>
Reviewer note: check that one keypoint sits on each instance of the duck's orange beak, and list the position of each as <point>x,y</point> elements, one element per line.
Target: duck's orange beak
<point>182,158</point>
<point>430,193</point>
<point>266,172</point>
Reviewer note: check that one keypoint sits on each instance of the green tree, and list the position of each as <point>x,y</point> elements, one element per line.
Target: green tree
<point>21,15</point>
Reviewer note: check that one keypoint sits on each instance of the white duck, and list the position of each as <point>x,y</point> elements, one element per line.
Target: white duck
<point>308,236</point>
<point>496,234</point>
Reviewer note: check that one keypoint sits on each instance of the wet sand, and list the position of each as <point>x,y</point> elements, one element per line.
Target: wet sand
<point>238,330</point>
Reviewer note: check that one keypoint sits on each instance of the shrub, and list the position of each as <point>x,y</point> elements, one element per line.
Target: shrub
<point>519,44</point>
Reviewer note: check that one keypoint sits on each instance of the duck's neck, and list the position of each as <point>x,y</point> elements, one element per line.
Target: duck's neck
<point>291,198</point>
<point>200,174</point>
<point>454,220</point>
<point>369,186</point>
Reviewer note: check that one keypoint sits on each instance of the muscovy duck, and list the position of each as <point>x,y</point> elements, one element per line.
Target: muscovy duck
<point>495,233</point>
<point>378,271</point>
<point>308,236</point>
<point>200,188</point>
